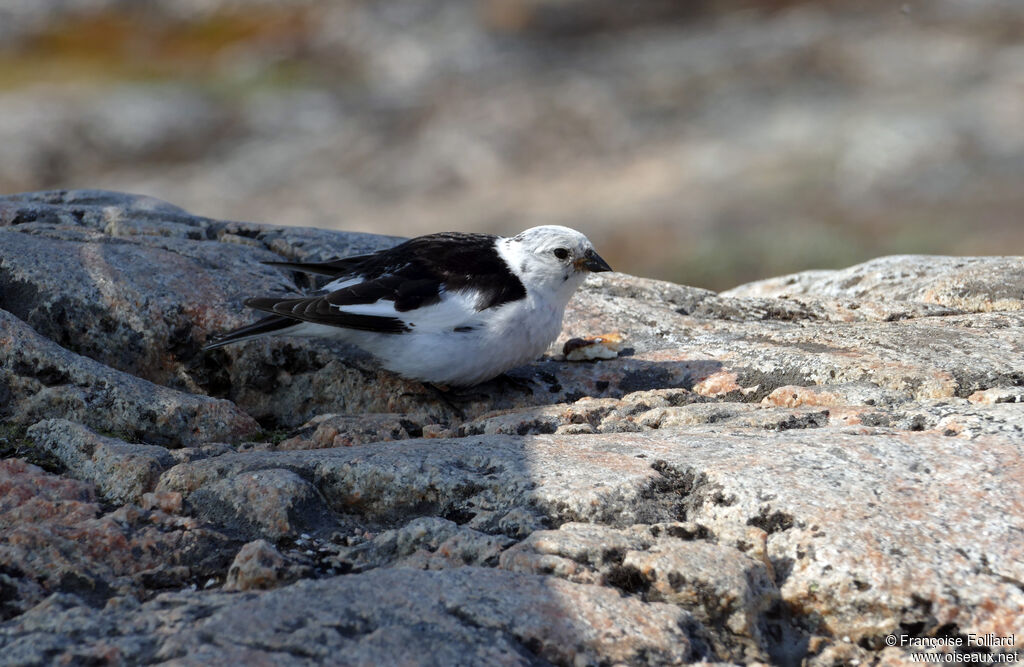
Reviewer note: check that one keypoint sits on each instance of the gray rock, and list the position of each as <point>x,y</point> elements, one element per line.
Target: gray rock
<point>998,395</point>
<point>833,502</point>
<point>327,430</point>
<point>270,503</point>
<point>469,616</point>
<point>745,356</point>
<point>966,284</point>
<point>426,543</point>
<point>150,221</point>
<point>477,479</point>
<point>258,566</point>
<point>55,538</point>
<point>789,477</point>
<point>122,472</point>
<point>108,303</point>
<point>721,586</point>
<point>40,379</point>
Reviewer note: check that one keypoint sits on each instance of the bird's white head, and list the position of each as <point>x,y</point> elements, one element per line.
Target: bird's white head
<point>551,258</point>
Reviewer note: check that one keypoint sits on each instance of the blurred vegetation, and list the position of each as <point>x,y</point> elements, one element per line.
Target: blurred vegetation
<point>119,45</point>
<point>709,143</point>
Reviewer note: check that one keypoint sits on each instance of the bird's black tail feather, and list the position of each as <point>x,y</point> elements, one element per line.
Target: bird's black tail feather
<point>267,325</point>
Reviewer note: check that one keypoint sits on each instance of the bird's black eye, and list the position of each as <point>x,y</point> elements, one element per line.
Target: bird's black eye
<point>561,253</point>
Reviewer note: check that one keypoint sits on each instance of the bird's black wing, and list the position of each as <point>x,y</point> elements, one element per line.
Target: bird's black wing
<point>394,289</point>
<point>451,261</point>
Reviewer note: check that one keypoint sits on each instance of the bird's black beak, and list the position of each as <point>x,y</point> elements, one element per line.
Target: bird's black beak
<point>591,261</point>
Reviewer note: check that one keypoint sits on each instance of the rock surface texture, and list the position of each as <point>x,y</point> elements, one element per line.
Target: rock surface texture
<point>794,471</point>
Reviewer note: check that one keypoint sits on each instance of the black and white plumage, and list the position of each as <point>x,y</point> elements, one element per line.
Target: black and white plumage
<point>449,308</point>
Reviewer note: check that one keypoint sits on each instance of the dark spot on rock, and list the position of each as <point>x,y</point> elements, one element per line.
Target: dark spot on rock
<point>48,375</point>
<point>773,522</point>
<point>211,372</point>
<point>721,499</point>
<point>412,429</point>
<point>627,579</point>
<point>601,385</point>
<point>8,600</point>
<point>811,420</point>
<point>783,568</point>
<point>94,592</point>
<point>24,216</point>
<point>917,423</point>
<point>850,282</point>
<point>536,426</point>
<point>688,532</point>
<point>613,556</point>
<point>351,628</point>
<point>16,296</point>
<point>15,444</point>
<point>673,493</point>
<point>534,646</point>
<point>554,386</point>
<point>181,343</point>
<point>875,419</point>
<point>162,579</point>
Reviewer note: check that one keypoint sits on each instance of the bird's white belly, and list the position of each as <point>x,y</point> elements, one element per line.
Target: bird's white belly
<point>510,337</point>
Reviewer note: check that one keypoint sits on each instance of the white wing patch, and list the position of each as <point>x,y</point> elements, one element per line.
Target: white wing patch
<point>456,309</point>
<point>342,283</point>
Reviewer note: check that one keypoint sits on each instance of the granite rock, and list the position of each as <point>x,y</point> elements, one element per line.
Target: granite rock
<point>675,562</point>
<point>122,472</point>
<point>470,616</point>
<point>789,472</point>
<point>40,379</point>
<point>55,538</point>
<point>425,543</point>
<point>966,284</point>
<point>876,510</point>
<point>258,566</point>
<point>270,502</point>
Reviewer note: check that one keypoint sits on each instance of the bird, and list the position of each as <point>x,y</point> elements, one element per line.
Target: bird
<point>451,309</point>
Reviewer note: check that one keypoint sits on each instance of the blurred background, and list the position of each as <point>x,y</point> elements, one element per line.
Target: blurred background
<point>709,142</point>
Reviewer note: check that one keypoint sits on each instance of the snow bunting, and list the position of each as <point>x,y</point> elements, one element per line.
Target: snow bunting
<point>450,308</point>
